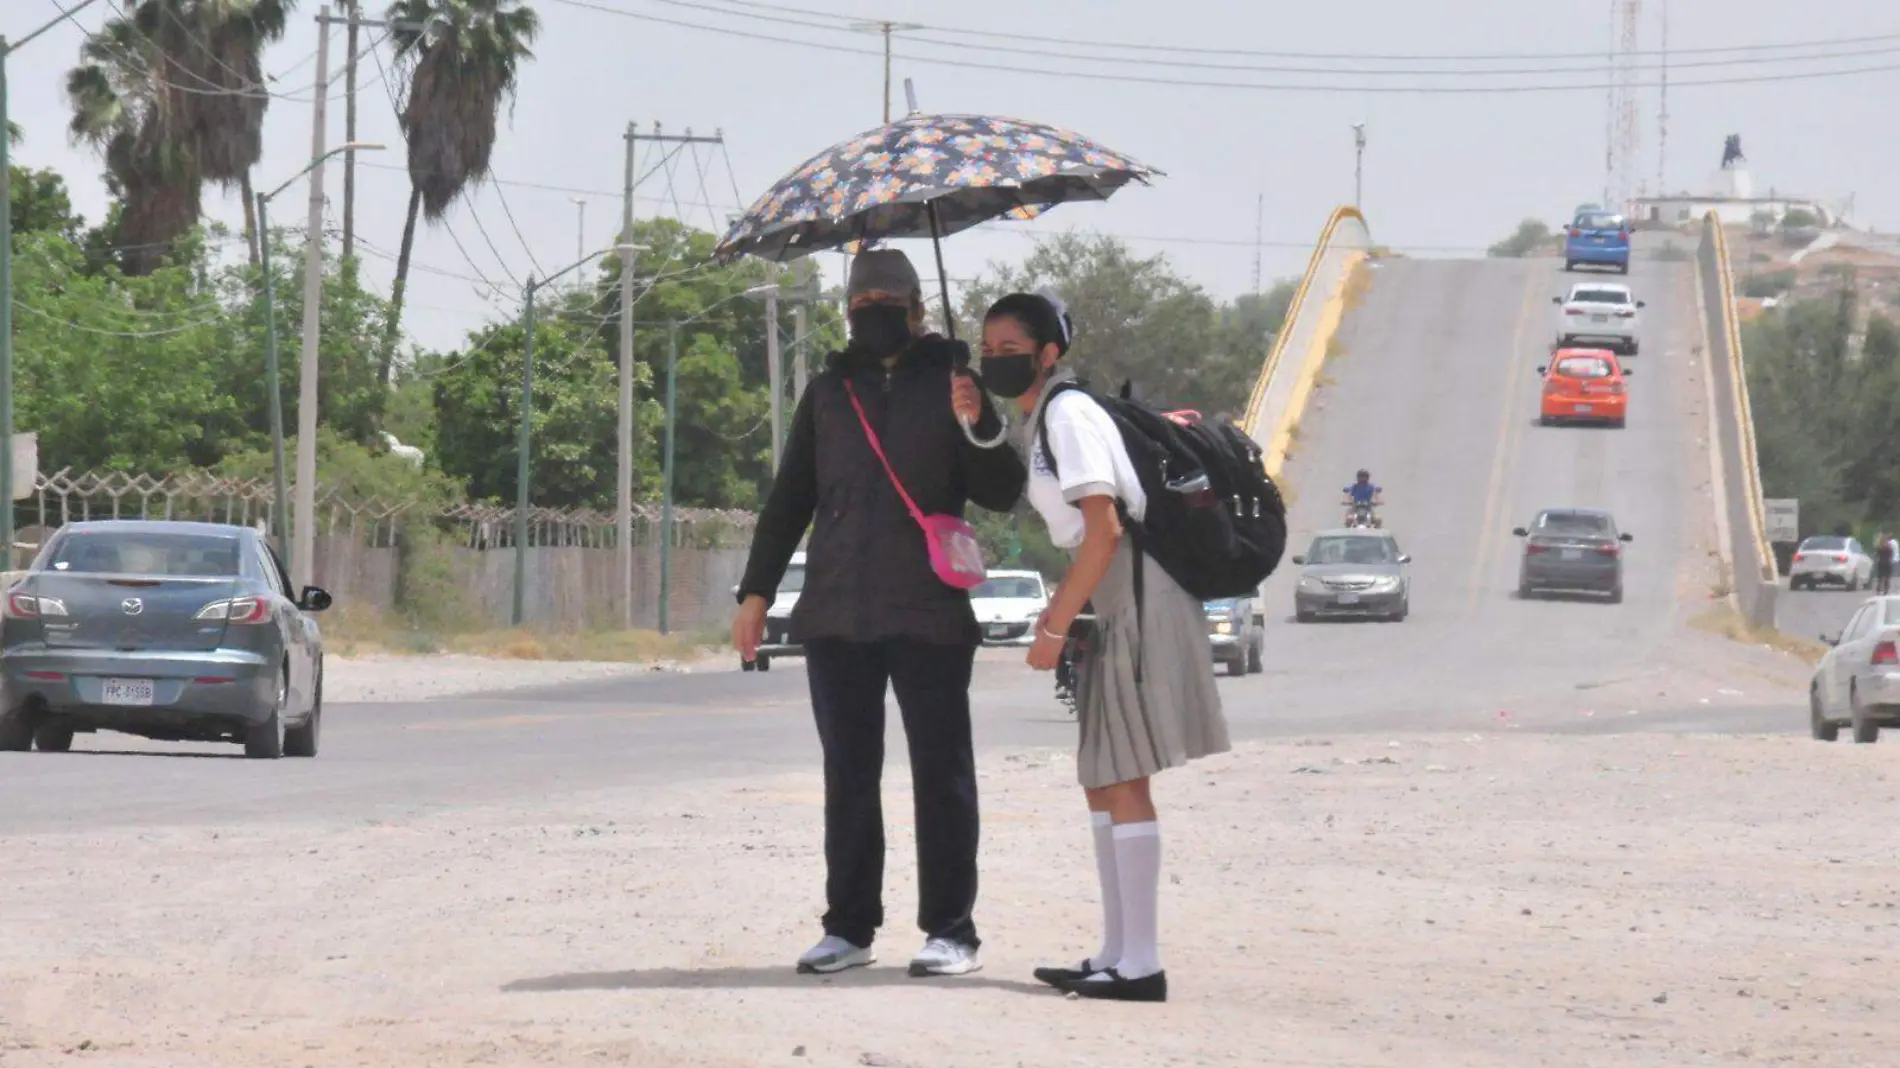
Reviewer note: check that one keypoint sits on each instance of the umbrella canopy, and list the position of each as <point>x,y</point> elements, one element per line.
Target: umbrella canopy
<point>926,176</point>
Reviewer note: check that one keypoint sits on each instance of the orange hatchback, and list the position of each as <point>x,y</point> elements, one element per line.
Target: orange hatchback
<point>1584,386</point>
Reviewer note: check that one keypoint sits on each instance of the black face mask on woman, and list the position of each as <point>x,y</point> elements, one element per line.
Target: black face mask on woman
<point>1008,375</point>
<point>879,330</point>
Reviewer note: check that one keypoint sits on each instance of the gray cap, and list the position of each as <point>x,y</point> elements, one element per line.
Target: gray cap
<point>883,269</point>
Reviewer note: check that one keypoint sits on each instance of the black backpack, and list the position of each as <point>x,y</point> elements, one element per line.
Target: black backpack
<point>1215,522</point>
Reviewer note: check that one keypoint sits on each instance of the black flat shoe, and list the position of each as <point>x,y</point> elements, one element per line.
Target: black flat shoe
<point>1057,976</point>
<point>1115,988</point>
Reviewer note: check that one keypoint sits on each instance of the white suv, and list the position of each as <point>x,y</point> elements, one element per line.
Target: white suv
<point>1598,314</point>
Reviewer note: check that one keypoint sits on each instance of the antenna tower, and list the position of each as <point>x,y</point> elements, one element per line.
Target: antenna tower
<point>1625,181</point>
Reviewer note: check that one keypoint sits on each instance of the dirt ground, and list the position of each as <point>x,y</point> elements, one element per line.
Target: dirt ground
<point>1487,900</point>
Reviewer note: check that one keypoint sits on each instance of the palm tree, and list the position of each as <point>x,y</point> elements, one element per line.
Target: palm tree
<point>125,105</point>
<point>217,47</point>
<point>464,68</point>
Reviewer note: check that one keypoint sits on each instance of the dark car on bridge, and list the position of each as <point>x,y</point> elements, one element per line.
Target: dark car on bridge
<point>167,630</point>
<point>1572,550</point>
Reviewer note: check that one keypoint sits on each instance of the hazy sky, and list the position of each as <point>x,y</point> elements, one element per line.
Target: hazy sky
<point>1443,172</point>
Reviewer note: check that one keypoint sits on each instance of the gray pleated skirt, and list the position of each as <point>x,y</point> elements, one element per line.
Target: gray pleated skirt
<point>1173,715</point>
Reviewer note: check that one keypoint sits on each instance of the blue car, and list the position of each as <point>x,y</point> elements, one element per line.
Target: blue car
<point>168,630</point>
<point>1598,239</point>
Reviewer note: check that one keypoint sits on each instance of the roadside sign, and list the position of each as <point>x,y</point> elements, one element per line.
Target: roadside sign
<point>26,464</point>
<point>1782,517</point>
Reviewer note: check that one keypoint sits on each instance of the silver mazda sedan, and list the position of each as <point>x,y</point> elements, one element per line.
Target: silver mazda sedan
<point>171,631</point>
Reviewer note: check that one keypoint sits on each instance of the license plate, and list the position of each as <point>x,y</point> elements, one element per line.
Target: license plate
<point>997,630</point>
<point>1583,407</point>
<point>1599,318</point>
<point>1348,598</point>
<point>1571,554</point>
<point>126,692</point>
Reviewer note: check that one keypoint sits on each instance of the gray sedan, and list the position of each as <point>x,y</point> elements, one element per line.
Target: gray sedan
<point>1355,573</point>
<point>171,631</point>
<point>1572,550</point>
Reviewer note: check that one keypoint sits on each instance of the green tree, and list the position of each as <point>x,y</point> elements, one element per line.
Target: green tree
<point>465,67</point>
<point>1530,237</point>
<point>40,202</point>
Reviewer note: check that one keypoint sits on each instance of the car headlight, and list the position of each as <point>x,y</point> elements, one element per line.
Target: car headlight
<point>1311,584</point>
<point>1223,627</point>
<point>1385,585</point>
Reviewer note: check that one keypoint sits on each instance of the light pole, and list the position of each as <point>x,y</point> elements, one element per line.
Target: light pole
<point>525,436</point>
<point>886,28</point>
<point>1358,159</point>
<point>774,369</point>
<point>272,382</point>
<point>7,48</point>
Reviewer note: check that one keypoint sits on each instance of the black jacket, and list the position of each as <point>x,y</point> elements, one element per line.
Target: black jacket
<point>867,569</point>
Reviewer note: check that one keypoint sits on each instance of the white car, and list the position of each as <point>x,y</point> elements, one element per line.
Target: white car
<point>1831,561</point>
<point>1598,314</point>
<point>1857,684</point>
<point>778,619</point>
<point>1007,605</point>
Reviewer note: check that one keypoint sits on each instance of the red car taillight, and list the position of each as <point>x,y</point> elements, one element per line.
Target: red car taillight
<point>1623,235</point>
<point>1797,558</point>
<point>1885,653</point>
<point>1533,550</point>
<point>1626,314</point>
<point>1609,550</point>
<point>1574,232</point>
<point>27,606</point>
<point>1573,311</point>
<point>1840,559</point>
<point>237,610</point>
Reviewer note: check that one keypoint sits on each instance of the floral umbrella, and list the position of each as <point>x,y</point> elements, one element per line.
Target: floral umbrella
<point>926,176</point>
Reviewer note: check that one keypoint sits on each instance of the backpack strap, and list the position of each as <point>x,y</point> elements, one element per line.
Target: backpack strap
<point>1042,419</point>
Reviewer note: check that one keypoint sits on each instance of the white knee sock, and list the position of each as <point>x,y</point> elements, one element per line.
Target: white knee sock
<point>1138,870</point>
<point>1111,951</point>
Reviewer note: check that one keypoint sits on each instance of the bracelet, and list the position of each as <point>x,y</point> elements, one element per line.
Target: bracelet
<point>1047,633</point>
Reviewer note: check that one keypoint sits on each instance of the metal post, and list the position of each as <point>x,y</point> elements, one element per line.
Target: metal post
<point>6,319</point>
<point>273,383</point>
<point>801,368</point>
<point>666,492</point>
<point>522,444</point>
<point>887,74</point>
<point>304,549</point>
<point>1358,160</point>
<point>775,374</point>
<point>623,475</point>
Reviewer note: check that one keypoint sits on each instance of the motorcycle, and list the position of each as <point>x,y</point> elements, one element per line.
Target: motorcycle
<point>1363,517</point>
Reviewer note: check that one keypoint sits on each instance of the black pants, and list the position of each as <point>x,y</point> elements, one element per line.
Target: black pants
<point>1883,574</point>
<point>932,683</point>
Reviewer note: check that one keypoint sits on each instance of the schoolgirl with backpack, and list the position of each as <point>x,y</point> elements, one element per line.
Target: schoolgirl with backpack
<point>1160,511</point>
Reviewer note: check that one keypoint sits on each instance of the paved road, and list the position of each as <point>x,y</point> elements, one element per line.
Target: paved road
<point>1436,393</point>
<point>1812,613</point>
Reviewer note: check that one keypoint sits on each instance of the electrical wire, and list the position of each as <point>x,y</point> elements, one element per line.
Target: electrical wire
<point>1195,83</point>
<point>853,22</point>
<point>516,227</point>
<point>220,317</point>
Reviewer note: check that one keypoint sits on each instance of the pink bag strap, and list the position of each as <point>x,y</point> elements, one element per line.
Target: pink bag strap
<point>878,448</point>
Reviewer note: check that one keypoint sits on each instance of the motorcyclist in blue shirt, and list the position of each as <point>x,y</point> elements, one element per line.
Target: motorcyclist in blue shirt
<point>1362,493</point>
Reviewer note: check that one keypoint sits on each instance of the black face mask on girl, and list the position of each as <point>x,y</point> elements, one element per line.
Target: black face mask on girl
<point>879,330</point>
<point>1008,375</point>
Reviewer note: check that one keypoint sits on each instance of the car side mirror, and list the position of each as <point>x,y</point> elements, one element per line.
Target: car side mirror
<point>314,599</point>
<point>1405,558</point>
<point>1543,369</point>
<point>1825,640</point>
<point>1627,371</point>
<point>1299,560</point>
<point>1556,300</point>
<point>1520,532</point>
<point>1642,304</point>
<point>1626,537</point>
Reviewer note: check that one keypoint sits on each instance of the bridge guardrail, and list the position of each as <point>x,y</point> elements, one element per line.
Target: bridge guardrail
<point>1752,560</point>
<point>1292,366</point>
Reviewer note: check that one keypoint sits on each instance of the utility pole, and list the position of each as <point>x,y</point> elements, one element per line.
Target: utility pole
<point>801,366</point>
<point>1662,111</point>
<point>775,374</point>
<point>353,11</point>
<point>7,48</point>
<point>623,473</point>
<point>666,492</point>
<point>1259,230</point>
<point>1358,162</point>
<point>304,540</point>
<point>886,28</point>
<point>580,228</point>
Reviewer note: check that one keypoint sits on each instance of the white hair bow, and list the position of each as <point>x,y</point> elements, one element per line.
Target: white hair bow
<point>1062,312</point>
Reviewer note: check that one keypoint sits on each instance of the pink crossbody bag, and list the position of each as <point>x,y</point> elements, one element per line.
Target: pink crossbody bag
<point>955,554</point>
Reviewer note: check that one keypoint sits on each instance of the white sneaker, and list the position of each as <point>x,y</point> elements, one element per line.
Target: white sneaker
<point>834,954</point>
<point>943,956</point>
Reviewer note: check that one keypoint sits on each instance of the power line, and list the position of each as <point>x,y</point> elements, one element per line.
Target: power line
<point>1044,39</point>
<point>1123,78</point>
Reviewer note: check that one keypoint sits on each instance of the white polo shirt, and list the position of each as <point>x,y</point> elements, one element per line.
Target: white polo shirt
<point>1093,461</point>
